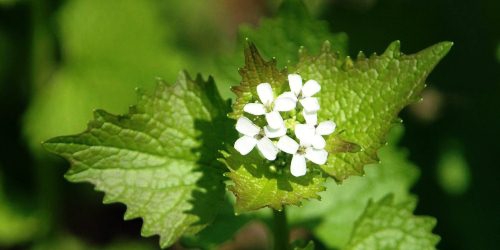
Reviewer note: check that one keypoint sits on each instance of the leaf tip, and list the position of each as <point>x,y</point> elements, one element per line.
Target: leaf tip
<point>445,47</point>
<point>326,47</point>
<point>394,49</point>
<point>48,145</point>
<point>361,55</point>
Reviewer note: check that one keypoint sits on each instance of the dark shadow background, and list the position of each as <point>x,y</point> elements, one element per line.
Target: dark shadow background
<point>466,83</point>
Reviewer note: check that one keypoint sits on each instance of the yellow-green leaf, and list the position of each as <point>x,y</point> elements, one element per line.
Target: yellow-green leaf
<point>364,97</point>
<point>159,159</point>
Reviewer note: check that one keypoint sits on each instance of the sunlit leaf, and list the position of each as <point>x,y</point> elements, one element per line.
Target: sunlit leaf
<point>257,184</point>
<point>159,159</point>
<point>364,96</point>
<point>332,218</point>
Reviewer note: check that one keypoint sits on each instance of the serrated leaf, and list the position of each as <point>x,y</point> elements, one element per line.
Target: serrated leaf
<point>365,96</point>
<point>256,184</point>
<point>159,159</point>
<point>332,219</point>
<point>256,71</point>
<point>389,225</point>
<point>222,230</point>
<point>280,36</point>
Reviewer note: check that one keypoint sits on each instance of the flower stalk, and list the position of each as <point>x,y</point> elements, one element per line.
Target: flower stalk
<point>281,230</point>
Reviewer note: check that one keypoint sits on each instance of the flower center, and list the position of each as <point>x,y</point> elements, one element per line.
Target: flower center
<point>260,135</point>
<point>301,150</point>
<point>269,106</point>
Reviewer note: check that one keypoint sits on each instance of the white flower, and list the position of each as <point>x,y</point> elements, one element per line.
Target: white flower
<point>254,135</point>
<point>313,134</point>
<point>311,146</point>
<point>304,94</point>
<point>270,107</point>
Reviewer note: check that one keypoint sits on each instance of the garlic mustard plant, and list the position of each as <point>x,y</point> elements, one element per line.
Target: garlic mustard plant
<point>174,156</point>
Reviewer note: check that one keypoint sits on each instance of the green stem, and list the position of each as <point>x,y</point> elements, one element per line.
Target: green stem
<point>281,230</point>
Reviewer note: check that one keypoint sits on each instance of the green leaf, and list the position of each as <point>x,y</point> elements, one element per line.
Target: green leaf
<point>220,231</point>
<point>365,96</point>
<point>389,225</point>
<point>256,184</point>
<point>332,219</point>
<point>159,159</point>
<point>281,37</point>
<point>256,71</point>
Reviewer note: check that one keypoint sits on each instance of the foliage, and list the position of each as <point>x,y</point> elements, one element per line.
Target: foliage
<point>363,114</point>
<point>256,186</point>
<point>365,96</point>
<point>165,159</point>
<point>389,225</point>
<point>159,159</point>
<point>332,219</point>
<point>279,37</point>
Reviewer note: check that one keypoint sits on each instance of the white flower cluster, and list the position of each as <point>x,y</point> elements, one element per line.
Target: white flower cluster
<point>310,143</point>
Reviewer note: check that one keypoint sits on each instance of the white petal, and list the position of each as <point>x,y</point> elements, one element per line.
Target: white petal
<point>288,145</point>
<point>274,119</point>
<point>267,148</point>
<point>274,133</point>
<point>288,94</point>
<point>326,128</point>
<point>295,82</point>
<point>310,88</point>
<point>317,156</point>
<point>305,133</point>
<point>265,93</point>
<point>298,166</point>
<point>310,117</point>
<point>245,144</point>
<point>285,102</point>
<point>318,142</point>
<point>246,127</point>
<point>310,104</point>
<point>254,108</point>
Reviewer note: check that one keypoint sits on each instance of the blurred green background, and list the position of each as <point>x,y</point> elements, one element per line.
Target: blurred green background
<point>59,60</point>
